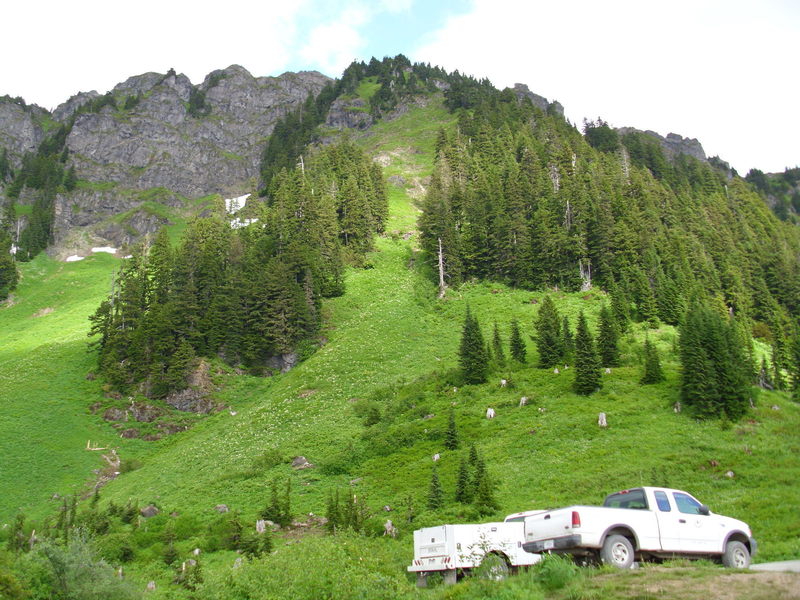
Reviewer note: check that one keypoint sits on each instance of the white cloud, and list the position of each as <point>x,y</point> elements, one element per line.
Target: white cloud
<point>334,45</point>
<point>718,71</point>
<point>85,44</point>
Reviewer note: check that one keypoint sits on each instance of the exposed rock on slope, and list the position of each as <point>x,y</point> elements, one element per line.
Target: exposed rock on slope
<point>159,143</point>
<point>20,130</point>
<point>673,144</point>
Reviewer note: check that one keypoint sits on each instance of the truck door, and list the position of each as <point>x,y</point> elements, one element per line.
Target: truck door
<point>669,525</point>
<point>697,532</point>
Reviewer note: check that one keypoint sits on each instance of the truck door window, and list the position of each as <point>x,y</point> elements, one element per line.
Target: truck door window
<point>686,504</point>
<point>663,502</point>
<point>627,499</point>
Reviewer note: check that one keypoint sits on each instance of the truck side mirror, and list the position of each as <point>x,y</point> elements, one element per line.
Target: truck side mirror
<point>704,510</point>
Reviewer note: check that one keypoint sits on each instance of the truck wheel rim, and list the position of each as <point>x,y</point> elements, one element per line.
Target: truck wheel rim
<point>739,559</point>
<point>619,553</point>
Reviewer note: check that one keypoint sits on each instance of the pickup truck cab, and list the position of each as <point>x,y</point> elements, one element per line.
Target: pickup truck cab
<point>454,549</point>
<point>638,524</point>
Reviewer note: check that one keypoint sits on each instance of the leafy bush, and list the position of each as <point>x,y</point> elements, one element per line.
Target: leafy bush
<point>554,572</point>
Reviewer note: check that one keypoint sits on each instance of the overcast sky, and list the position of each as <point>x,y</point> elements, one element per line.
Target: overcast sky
<point>722,71</point>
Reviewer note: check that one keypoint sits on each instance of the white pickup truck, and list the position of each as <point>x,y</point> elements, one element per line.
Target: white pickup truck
<point>641,523</point>
<point>450,549</point>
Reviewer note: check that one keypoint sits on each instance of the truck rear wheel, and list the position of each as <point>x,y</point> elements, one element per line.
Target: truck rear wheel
<point>494,567</point>
<point>617,551</point>
<point>736,556</point>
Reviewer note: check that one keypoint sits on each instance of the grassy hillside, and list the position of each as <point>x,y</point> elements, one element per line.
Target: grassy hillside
<point>391,344</point>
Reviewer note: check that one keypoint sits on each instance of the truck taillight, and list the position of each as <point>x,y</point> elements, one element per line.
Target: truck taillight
<point>576,519</point>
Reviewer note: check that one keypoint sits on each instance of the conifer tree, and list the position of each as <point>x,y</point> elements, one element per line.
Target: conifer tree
<point>472,352</point>
<point>652,364</point>
<point>714,371</point>
<point>435,493</point>
<point>607,339</point>
<point>497,346</point>
<point>794,366</point>
<point>333,512</point>
<point>569,341</point>
<point>518,350</point>
<point>548,335</point>
<point>8,267</point>
<point>451,435</point>
<point>587,363</point>
<point>463,483</point>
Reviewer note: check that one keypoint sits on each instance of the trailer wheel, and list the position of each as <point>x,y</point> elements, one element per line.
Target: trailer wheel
<point>736,556</point>
<point>422,579</point>
<point>617,551</point>
<point>494,567</point>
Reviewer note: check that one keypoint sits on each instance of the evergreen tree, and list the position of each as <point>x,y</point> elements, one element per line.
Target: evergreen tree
<point>497,346</point>
<point>714,371</point>
<point>569,341</point>
<point>518,350</point>
<point>333,513</point>
<point>451,435</point>
<point>587,364</point>
<point>70,179</point>
<point>8,267</point>
<point>435,493</point>
<point>472,352</point>
<point>548,335</point>
<point>607,339</point>
<point>794,367</point>
<point>463,490</point>
<point>652,364</point>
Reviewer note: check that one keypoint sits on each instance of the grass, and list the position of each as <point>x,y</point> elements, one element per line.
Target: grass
<point>387,341</point>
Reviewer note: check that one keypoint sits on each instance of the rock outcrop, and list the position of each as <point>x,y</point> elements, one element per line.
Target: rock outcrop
<point>20,128</point>
<point>522,91</point>
<point>159,142</point>
<point>165,136</point>
<point>673,144</point>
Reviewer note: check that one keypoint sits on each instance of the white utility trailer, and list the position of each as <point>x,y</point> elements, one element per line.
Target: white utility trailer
<point>450,549</point>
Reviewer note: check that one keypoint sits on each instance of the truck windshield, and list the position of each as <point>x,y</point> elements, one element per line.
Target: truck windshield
<point>627,499</point>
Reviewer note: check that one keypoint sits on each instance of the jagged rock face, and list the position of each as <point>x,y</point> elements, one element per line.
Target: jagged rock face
<point>65,110</point>
<point>19,130</point>
<point>76,213</point>
<point>349,114</point>
<point>673,144</point>
<point>159,144</point>
<point>522,91</point>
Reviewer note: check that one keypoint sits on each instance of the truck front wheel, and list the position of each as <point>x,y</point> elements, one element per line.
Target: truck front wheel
<point>617,551</point>
<point>736,556</point>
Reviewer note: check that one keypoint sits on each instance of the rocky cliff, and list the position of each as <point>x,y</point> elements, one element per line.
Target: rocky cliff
<point>193,148</point>
<point>673,144</point>
<point>158,137</point>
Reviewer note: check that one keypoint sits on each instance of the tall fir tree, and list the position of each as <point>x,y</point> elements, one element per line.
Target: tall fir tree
<point>472,351</point>
<point>517,344</point>
<point>451,434</point>
<point>652,364</point>
<point>568,340</point>
<point>463,490</point>
<point>548,334</point>
<point>587,363</point>
<point>608,338</point>
<point>497,347</point>
<point>435,493</point>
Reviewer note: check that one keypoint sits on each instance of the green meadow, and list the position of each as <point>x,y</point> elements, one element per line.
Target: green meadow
<point>387,343</point>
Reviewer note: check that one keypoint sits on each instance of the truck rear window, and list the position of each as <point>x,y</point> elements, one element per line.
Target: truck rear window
<point>628,499</point>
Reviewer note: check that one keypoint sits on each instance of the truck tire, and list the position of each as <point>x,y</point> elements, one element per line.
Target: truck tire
<point>617,551</point>
<point>494,567</point>
<point>736,556</point>
<point>422,579</point>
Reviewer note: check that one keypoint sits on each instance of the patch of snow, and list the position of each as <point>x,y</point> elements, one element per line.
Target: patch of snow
<point>74,258</point>
<point>234,205</point>
<point>107,249</point>
<point>239,223</point>
<point>129,256</point>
